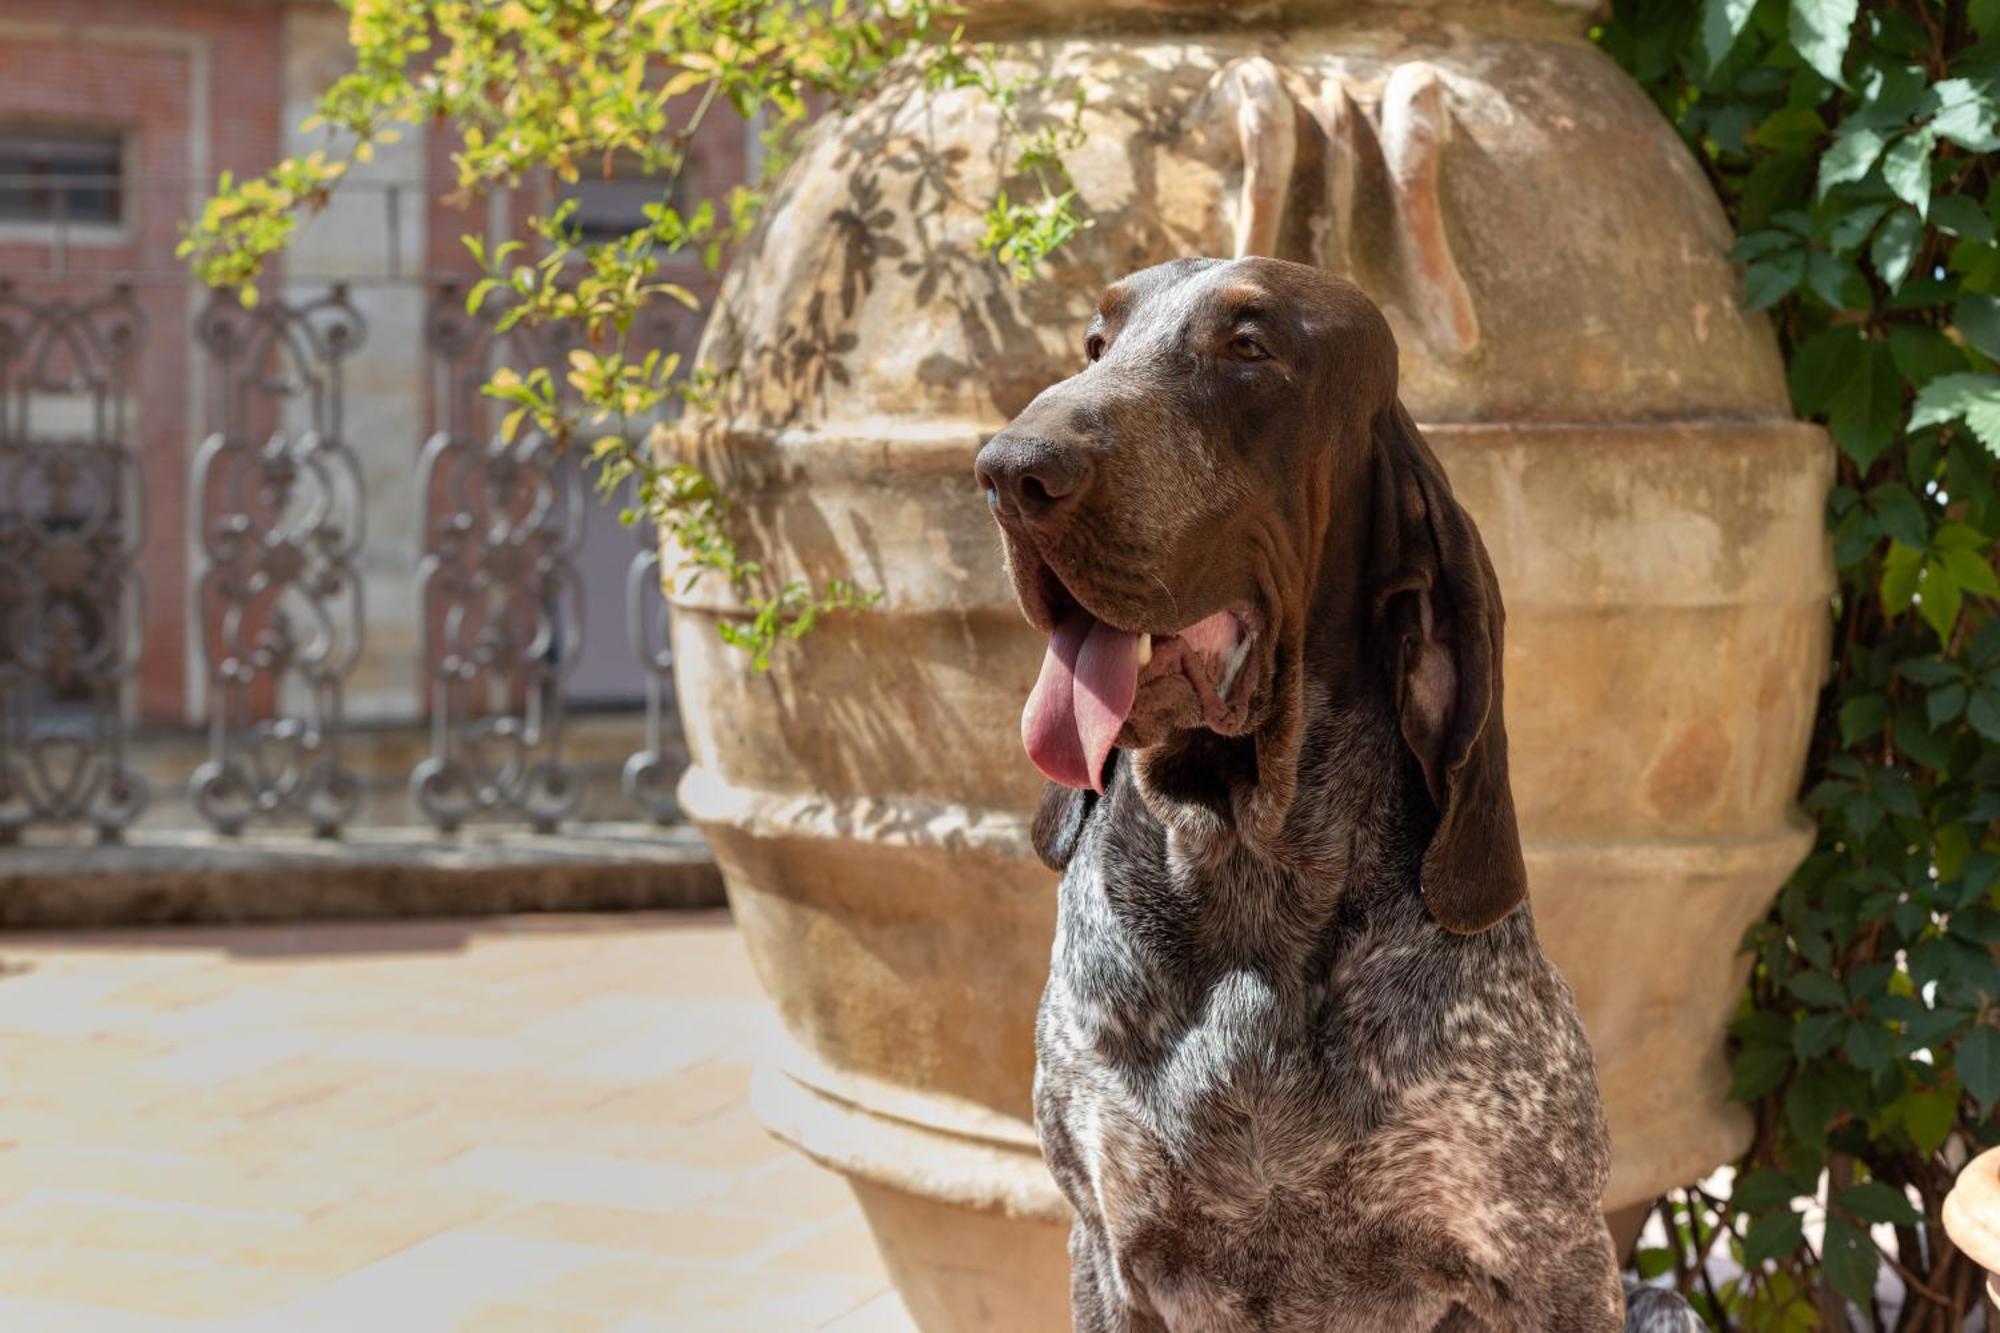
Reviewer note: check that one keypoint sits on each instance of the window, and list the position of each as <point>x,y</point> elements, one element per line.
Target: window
<point>608,207</point>
<point>76,177</point>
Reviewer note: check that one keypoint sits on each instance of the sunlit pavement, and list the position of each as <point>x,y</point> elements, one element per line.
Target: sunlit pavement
<point>529,1123</point>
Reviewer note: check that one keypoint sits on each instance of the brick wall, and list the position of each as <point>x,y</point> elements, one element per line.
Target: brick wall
<point>193,86</point>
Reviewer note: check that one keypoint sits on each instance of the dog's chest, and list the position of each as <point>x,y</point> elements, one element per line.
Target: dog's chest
<point>1277,1119</point>
<point>1179,1075</point>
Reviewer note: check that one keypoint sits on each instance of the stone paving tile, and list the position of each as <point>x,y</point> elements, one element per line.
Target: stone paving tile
<point>884,1314</point>
<point>524,1125</point>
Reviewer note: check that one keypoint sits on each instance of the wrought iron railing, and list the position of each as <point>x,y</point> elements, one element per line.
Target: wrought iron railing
<point>278,604</point>
<point>502,606</point>
<point>71,505</point>
<point>279,519</point>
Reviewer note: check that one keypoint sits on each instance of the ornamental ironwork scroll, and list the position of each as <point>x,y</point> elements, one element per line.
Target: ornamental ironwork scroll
<point>501,600</point>
<point>71,507</point>
<point>279,599</point>
<point>650,774</point>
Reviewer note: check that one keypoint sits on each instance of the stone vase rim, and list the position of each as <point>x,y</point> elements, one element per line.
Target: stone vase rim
<point>988,18</point>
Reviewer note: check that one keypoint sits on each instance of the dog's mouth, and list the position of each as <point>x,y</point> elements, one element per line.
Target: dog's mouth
<point>1095,673</point>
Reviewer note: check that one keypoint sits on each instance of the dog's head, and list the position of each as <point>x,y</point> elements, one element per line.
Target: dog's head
<point>1227,501</point>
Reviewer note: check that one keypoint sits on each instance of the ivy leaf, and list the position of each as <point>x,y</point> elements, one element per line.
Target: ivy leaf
<point>1854,537</point>
<point>1773,1236</point>
<point>1921,353</point>
<point>1853,152</point>
<point>1977,267</point>
<point>1977,317</point>
<point>1817,1034</point>
<point>1852,227</point>
<point>1921,291</point>
<point>1934,1026</point>
<point>1901,568</point>
<point>1890,94</point>
<point>1862,716</point>
<point>1900,34</point>
<point>1983,712</point>
<point>1927,670</point>
<point>1820,364</point>
<point>1850,1260</point>
<point>1973,399</point>
<point>1953,536</point>
<point>1900,514</point>
<point>1966,111</point>
<point>1930,1115</point>
<point>1895,247</point>
<point>1941,600</point>
<point>1956,215</point>
<point>1873,1201</point>
<point>1915,739</point>
<point>1817,988</point>
<point>1721,24</point>
<point>1978,1066</point>
<point>1893,789</point>
<point>1977,922</point>
<point>1652,1260</point>
<point>1943,704</point>
<point>1970,570</point>
<point>1769,281</point>
<point>1819,30</point>
<point>1869,1046</point>
<point>1763,1188</point>
<point>1758,244</point>
<point>1777,179</point>
<point>1906,168</point>
<point>1788,130</point>
<point>1757,1070</point>
<point>1867,407</point>
<point>1836,281</point>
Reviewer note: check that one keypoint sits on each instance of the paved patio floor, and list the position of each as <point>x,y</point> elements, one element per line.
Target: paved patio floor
<point>530,1123</point>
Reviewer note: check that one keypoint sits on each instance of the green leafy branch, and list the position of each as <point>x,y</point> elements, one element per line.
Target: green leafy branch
<point>1020,233</point>
<point>569,86</point>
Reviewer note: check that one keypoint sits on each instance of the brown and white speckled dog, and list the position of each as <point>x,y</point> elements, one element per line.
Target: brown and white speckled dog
<point>1303,1065</point>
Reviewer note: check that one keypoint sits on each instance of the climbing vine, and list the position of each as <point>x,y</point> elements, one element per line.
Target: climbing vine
<point>1853,146</point>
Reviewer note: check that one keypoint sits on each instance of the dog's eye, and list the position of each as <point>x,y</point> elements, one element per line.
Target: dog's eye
<point>1093,346</point>
<point>1245,348</point>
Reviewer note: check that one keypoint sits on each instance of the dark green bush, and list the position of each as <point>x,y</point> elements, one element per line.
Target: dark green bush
<point>1853,147</point>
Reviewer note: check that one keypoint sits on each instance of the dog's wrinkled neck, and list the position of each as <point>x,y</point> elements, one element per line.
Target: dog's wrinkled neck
<point>1357,796</point>
<point>1274,792</point>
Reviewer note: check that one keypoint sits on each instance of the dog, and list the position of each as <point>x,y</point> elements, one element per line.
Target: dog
<point>1301,1063</point>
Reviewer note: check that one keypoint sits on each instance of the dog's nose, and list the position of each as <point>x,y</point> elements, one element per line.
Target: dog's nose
<point>1028,475</point>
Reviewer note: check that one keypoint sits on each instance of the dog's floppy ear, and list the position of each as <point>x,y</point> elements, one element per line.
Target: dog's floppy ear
<point>1438,614</point>
<point>1059,821</point>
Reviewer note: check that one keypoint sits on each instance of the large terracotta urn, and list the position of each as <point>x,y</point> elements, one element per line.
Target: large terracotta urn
<point>1572,342</point>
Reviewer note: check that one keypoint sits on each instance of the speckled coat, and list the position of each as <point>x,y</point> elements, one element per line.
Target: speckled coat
<point>1302,1063</point>
<point>1280,1096</point>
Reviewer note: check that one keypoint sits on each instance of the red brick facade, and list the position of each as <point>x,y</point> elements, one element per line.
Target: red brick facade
<point>194,88</point>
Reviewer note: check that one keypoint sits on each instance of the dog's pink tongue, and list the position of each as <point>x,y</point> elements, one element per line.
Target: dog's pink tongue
<point>1081,699</point>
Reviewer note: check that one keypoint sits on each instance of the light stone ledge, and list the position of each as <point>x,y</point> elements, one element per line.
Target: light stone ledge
<point>161,877</point>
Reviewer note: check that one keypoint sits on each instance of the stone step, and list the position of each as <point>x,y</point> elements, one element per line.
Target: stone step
<point>159,876</point>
